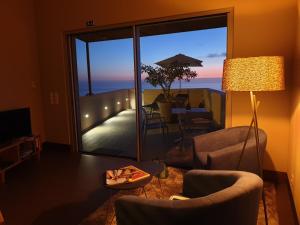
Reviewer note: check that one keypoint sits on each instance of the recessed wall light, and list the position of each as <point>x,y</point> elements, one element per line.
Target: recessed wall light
<point>118,103</point>
<point>105,107</point>
<point>86,115</point>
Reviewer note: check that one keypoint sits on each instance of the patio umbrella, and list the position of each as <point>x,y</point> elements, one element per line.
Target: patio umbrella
<point>180,59</point>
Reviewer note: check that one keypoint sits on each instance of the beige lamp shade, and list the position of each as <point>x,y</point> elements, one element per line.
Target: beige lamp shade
<point>264,73</point>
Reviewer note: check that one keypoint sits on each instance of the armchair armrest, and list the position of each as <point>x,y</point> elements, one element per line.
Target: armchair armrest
<point>199,183</point>
<point>216,140</point>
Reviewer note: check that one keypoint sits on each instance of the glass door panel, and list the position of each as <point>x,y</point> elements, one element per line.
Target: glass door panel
<point>182,63</point>
<point>108,113</point>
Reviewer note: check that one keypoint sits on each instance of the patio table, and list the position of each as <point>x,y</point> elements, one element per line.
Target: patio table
<point>184,114</point>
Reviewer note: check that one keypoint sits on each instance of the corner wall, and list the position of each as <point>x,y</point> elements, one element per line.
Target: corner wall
<point>294,159</point>
<point>260,28</point>
<point>19,74</point>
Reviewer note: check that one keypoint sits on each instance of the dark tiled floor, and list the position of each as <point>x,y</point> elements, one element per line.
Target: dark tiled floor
<point>63,188</point>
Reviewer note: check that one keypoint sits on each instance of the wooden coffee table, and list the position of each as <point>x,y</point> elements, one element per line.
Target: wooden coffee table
<point>132,185</point>
<point>154,169</point>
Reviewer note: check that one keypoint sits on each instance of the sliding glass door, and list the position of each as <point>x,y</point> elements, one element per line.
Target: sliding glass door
<point>144,91</point>
<point>105,65</point>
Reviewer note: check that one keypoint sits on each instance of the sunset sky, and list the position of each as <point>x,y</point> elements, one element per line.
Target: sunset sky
<point>113,60</point>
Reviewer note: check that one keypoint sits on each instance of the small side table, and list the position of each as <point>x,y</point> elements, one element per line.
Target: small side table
<point>153,168</point>
<point>131,186</point>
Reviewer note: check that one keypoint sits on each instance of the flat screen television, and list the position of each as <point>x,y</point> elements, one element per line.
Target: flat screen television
<point>14,124</point>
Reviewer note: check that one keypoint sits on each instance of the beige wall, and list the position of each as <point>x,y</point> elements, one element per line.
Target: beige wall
<point>260,28</point>
<point>294,159</point>
<point>19,76</point>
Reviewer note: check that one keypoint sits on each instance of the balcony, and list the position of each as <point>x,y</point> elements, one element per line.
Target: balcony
<point>108,123</point>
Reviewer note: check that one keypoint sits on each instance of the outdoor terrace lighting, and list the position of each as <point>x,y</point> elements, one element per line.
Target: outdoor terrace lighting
<point>126,99</point>
<point>86,115</point>
<point>118,103</point>
<point>105,107</point>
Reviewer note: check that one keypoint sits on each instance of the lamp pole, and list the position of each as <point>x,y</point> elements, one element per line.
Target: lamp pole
<point>254,121</point>
<point>262,73</point>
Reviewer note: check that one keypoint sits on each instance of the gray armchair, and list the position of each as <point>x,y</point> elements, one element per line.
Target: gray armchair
<point>217,198</point>
<point>221,150</point>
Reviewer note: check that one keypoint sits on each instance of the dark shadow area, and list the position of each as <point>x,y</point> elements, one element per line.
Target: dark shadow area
<point>61,188</point>
<point>72,213</point>
<point>65,188</point>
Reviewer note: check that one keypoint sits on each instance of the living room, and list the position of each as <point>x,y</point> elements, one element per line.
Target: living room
<point>36,74</point>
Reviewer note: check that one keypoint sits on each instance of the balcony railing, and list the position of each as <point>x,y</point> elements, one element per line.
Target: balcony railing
<point>95,109</point>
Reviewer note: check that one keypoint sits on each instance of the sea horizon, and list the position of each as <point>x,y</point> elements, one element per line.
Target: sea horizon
<point>102,86</point>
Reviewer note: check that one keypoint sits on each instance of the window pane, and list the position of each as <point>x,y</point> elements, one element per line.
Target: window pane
<point>186,108</point>
<point>108,116</point>
<point>111,65</point>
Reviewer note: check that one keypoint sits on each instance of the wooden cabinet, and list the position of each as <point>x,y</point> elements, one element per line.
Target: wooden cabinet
<point>16,152</point>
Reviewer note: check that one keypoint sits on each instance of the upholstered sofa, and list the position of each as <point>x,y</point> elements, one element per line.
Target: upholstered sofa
<point>221,150</point>
<point>216,198</point>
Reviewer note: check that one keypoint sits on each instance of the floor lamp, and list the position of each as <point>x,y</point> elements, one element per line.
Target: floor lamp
<point>264,73</point>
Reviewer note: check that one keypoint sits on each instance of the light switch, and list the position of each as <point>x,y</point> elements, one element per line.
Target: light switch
<point>51,98</point>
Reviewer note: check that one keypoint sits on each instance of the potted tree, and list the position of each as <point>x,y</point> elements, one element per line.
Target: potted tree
<point>164,77</point>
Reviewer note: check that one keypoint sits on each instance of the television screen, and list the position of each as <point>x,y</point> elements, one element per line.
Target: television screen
<point>14,124</point>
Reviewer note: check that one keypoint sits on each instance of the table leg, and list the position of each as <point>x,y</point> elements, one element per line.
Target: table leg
<point>181,128</point>
<point>181,131</point>
<point>162,193</point>
<point>108,206</point>
<point>144,192</point>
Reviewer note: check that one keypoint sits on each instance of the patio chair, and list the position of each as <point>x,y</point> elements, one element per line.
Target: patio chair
<point>153,107</point>
<point>153,121</point>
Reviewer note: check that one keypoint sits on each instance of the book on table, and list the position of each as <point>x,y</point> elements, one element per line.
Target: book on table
<point>128,174</point>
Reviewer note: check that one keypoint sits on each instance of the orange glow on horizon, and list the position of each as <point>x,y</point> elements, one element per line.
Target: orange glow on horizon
<point>203,72</point>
